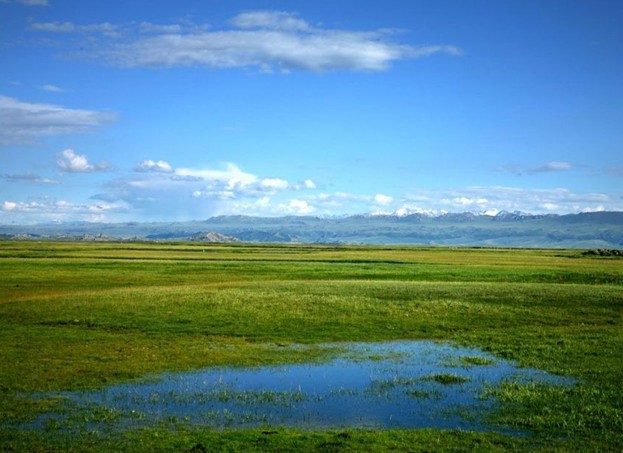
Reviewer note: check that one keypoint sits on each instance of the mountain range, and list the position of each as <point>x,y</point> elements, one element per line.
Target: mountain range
<point>505,229</point>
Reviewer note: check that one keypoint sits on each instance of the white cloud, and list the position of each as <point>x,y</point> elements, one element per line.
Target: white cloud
<point>549,206</point>
<point>194,193</point>
<point>28,177</point>
<point>343,196</point>
<point>269,40</point>
<point>275,183</point>
<point>500,198</point>
<point>52,88</point>
<point>551,166</point>
<point>105,28</point>
<point>231,177</point>
<point>231,182</point>
<point>71,162</point>
<point>49,210</point>
<point>160,166</point>
<point>27,2</point>
<point>54,27</point>
<point>24,122</point>
<point>148,27</point>
<point>309,184</point>
<point>383,200</point>
<point>168,196</point>
<point>297,207</point>
<point>343,203</point>
<point>465,202</point>
<point>272,20</point>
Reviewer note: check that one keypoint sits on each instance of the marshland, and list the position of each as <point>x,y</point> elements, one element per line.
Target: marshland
<point>89,331</point>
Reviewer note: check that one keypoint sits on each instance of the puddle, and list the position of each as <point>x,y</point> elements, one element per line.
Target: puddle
<point>405,384</point>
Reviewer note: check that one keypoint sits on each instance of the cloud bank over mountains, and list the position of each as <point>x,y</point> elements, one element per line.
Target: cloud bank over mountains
<point>156,190</point>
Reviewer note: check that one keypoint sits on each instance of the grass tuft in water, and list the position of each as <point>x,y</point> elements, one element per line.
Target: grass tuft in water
<point>447,378</point>
<point>476,360</point>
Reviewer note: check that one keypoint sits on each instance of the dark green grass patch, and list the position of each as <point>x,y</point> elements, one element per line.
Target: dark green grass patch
<point>476,361</point>
<point>267,440</point>
<point>586,414</point>
<point>447,378</point>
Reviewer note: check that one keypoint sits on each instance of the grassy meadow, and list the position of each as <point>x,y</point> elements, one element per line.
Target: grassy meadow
<point>85,315</point>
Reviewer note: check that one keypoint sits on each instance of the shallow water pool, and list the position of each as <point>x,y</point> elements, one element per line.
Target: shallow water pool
<point>400,384</point>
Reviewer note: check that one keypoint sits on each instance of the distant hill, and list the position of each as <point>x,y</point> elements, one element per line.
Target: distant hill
<point>212,237</point>
<point>585,230</point>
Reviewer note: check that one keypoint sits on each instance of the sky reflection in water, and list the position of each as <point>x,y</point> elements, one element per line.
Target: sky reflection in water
<point>381,385</point>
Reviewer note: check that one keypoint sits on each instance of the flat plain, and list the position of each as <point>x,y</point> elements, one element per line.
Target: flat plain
<point>79,316</point>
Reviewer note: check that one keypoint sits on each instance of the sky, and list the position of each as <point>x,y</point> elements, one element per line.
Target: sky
<point>163,110</point>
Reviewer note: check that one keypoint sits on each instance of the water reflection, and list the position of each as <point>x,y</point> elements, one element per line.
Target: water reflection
<point>404,384</point>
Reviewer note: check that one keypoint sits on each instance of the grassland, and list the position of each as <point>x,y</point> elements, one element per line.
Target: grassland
<point>84,315</point>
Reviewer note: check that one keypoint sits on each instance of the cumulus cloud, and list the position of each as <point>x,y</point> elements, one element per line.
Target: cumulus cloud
<point>24,122</point>
<point>383,200</point>
<point>275,183</point>
<point>309,184</point>
<point>198,192</point>
<point>71,162</point>
<point>229,178</point>
<point>229,182</point>
<point>160,166</point>
<point>268,40</point>
<point>466,202</point>
<point>297,207</point>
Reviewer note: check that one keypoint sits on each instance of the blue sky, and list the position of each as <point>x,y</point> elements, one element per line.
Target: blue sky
<point>176,110</point>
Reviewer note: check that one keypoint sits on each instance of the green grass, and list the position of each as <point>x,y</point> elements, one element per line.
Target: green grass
<point>76,315</point>
<point>470,361</point>
<point>447,378</point>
